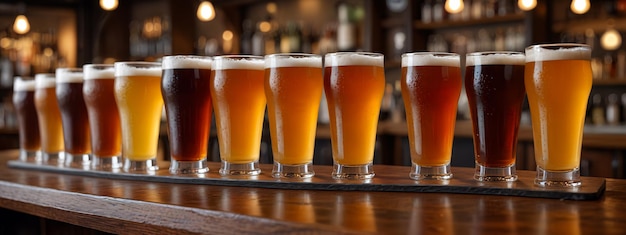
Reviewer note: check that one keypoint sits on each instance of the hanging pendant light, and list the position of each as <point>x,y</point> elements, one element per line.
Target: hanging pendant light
<point>108,5</point>
<point>526,5</point>
<point>206,11</point>
<point>580,6</point>
<point>454,6</point>
<point>21,25</point>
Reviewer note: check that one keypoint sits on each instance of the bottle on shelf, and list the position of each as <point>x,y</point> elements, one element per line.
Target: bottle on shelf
<point>597,110</point>
<point>612,110</point>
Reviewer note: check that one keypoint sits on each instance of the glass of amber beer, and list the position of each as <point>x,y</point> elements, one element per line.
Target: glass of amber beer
<point>431,86</point>
<point>239,101</point>
<point>558,82</point>
<point>49,117</point>
<point>24,102</point>
<point>494,82</point>
<point>139,100</point>
<point>74,117</point>
<point>293,88</point>
<point>354,83</point>
<point>185,89</point>
<point>104,117</point>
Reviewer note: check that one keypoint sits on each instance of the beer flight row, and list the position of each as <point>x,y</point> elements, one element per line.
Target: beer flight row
<point>107,116</point>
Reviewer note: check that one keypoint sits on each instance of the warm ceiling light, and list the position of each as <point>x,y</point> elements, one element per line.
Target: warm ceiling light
<point>108,5</point>
<point>206,11</point>
<point>527,5</point>
<point>271,7</point>
<point>454,6</point>
<point>611,40</point>
<point>265,26</point>
<point>580,6</point>
<point>21,25</point>
<point>227,35</point>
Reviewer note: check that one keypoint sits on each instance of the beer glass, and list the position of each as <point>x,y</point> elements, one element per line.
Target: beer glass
<point>293,88</point>
<point>49,118</point>
<point>185,89</point>
<point>74,117</point>
<point>139,100</point>
<point>494,83</point>
<point>354,83</point>
<point>558,81</point>
<point>238,96</point>
<point>104,117</point>
<point>24,102</point>
<point>431,86</point>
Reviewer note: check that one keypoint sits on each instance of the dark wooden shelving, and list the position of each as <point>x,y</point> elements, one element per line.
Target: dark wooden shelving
<point>449,24</point>
<point>610,82</point>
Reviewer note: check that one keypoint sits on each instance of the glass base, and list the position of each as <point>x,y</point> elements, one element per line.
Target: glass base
<point>30,156</point>
<point>77,160</point>
<point>430,172</point>
<point>484,173</point>
<point>293,171</point>
<point>112,163</point>
<point>558,178</point>
<point>188,167</point>
<point>144,166</point>
<point>251,168</point>
<point>55,159</point>
<point>353,172</point>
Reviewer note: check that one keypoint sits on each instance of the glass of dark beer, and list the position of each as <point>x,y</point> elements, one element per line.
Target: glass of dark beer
<point>49,117</point>
<point>104,117</point>
<point>74,117</point>
<point>494,82</point>
<point>24,102</point>
<point>185,88</point>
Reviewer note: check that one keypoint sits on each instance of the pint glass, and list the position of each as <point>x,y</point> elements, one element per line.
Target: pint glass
<point>74,116</point>
<point>139,100</point>
<point>431,86</point>
<point>494,82</point>
<point>24,102</point>
<point>354,84</point>
<point>49,117</point>
<point>558,81</point>
<point>104,117</point>
<point>293,88</point>
<point>185,89</point>
<point>239,102</point>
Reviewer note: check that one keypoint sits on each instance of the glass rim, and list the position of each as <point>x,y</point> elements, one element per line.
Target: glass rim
<point>69,70</point>
<point>297,55</point>
<point>221,57</point>
<point>553,46</point>
<point>139,63</point>
<point>366,53</point>
<point>433,53</point>
<point>484,53</point>
<point>95,66</point>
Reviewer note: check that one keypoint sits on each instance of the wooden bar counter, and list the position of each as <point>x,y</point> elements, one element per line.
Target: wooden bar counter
<point>139,207</point>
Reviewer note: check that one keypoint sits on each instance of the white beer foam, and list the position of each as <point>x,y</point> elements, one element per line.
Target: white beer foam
<point>293,61</point>
<point>67,75</point>
<point>45,80</point>
<point>430,60</point>
<point>96,73</point>
<point>186,62</point>
<point>495,59</point>
<point>344,59</point>
<point>123,69</point>
<point>23,85</point>
<point>537,53</point>
<point>251,63</point>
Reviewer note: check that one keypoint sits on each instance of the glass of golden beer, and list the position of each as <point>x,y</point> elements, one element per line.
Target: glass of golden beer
<point>74,117</point>
<point>139,100</point>
<point>24,102</point>
<point>104,117</point>
<point>354,83</point>
<point>431,86</point>
<point>238,95</point>
<point>558,81</point>
<point>49,117</point>
<point>494,82</point>
<point>293,88</point>
<point>185,89</point>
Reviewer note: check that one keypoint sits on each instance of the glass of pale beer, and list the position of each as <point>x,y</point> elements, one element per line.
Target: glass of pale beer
<point>104,117</point>
<point>74,116</point>
<point>49,117</point>
<point>185,89</point>
<point>24,102</point>
<point>139,100</point>
<point>354,83</point>
<point>494,83</point>
<point>293,88</point>
<point>238,94</point>
<point>558,81</point>
<point>431,86</point>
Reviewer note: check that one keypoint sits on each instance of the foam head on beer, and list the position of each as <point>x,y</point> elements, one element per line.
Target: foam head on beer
<point>250,63</point>
<point>21,84</point>
<point>495,58</point>
<point>95,71</point>
<point>276,61</point>
<point>68,75</point>
<point>354,59</point>
<point>186,62</point>
<point>45,80</point>
<point>429,59</point>
<point>148,69</point>
<point>538,53</point>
